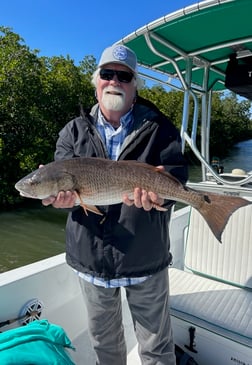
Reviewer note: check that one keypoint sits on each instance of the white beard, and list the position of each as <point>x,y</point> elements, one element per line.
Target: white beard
<point>113,98</point>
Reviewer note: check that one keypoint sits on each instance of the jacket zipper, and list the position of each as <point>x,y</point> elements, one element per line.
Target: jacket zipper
<point>146,125</point>
<point>94,132</point>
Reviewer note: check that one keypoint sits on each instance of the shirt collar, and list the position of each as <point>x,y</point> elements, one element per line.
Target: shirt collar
<point>124,120</point>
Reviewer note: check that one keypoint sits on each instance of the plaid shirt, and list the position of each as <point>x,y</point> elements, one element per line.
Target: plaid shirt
<point>113,140</point>
<point>113,283</point>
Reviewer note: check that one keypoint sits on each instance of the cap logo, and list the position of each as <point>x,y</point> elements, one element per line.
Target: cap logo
<point>120,53</point>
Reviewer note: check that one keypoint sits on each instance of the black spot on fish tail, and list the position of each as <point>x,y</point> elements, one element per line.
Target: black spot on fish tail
<point>217,209</point>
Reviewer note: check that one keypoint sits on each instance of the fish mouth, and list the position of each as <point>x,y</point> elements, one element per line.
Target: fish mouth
<point>18,186</point>
<point>33,196</point>
<point>27,195</point>
<point>24,193</point>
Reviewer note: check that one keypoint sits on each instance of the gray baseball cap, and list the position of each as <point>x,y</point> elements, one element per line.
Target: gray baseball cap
<point>119,54</point>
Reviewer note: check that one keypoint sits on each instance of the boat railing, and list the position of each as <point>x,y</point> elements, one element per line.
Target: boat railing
<point>226,189</point>
<point>182,80</point>
<point>209,168</point>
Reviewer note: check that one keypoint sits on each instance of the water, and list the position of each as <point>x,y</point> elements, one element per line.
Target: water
<point>36,232</point>
<point>30,234</point>
<point>239,157</point>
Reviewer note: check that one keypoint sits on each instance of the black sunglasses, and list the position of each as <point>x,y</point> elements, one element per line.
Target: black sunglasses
<point>123,76</point>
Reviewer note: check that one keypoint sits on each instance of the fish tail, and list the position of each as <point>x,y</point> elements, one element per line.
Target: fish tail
<point>217,209</point>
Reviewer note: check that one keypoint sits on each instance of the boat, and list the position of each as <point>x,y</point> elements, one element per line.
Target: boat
<point>210,283</point>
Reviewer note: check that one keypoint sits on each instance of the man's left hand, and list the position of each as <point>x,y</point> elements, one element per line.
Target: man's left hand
<point>144,199</point>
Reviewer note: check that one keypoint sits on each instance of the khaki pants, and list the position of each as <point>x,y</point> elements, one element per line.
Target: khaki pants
<point>149,307</point>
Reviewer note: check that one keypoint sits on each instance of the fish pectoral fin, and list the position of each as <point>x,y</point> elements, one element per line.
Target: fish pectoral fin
<point>86,207</point>
<point>91,208</point>
<point>159,207</point>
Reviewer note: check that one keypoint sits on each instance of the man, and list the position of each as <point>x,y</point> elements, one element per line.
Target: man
<point>130,248</point>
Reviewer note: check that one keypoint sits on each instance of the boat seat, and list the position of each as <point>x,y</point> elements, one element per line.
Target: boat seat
<point>214,291</point>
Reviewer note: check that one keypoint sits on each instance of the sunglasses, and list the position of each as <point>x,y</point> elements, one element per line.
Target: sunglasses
<point>122,76</point>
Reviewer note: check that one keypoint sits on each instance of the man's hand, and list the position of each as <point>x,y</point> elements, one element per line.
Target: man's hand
<point>64,199</point>
<point>144,199</point>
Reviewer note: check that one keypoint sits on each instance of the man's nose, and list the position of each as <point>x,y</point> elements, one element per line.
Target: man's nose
<point>115,78</point>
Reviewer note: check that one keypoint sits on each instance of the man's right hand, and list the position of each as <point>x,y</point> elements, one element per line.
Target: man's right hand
<point>64,199</point>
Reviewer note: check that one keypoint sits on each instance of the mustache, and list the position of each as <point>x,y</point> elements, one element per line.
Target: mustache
<point>114,90</point>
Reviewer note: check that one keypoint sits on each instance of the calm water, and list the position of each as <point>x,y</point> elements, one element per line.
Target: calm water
<point>36,232</point>
<point>240,157</point>
<point>30,234</point>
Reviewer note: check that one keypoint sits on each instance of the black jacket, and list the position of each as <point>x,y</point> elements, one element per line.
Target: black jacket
<point>130,242</point>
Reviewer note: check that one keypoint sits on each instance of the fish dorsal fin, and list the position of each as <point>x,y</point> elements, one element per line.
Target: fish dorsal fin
<point>168,174</point>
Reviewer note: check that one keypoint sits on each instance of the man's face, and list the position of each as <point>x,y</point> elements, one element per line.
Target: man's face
<point>115,94</point>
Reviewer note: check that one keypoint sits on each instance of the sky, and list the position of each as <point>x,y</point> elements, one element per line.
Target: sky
<point>79,28</point>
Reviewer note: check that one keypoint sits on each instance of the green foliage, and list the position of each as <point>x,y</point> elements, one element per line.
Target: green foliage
<point>230,118</point>
<point>87,67</point>
<point>170,103</point>
<point>230,123</point>
<point>39,95</point>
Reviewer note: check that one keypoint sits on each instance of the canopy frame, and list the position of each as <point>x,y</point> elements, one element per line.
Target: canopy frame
<point>196,69</point>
